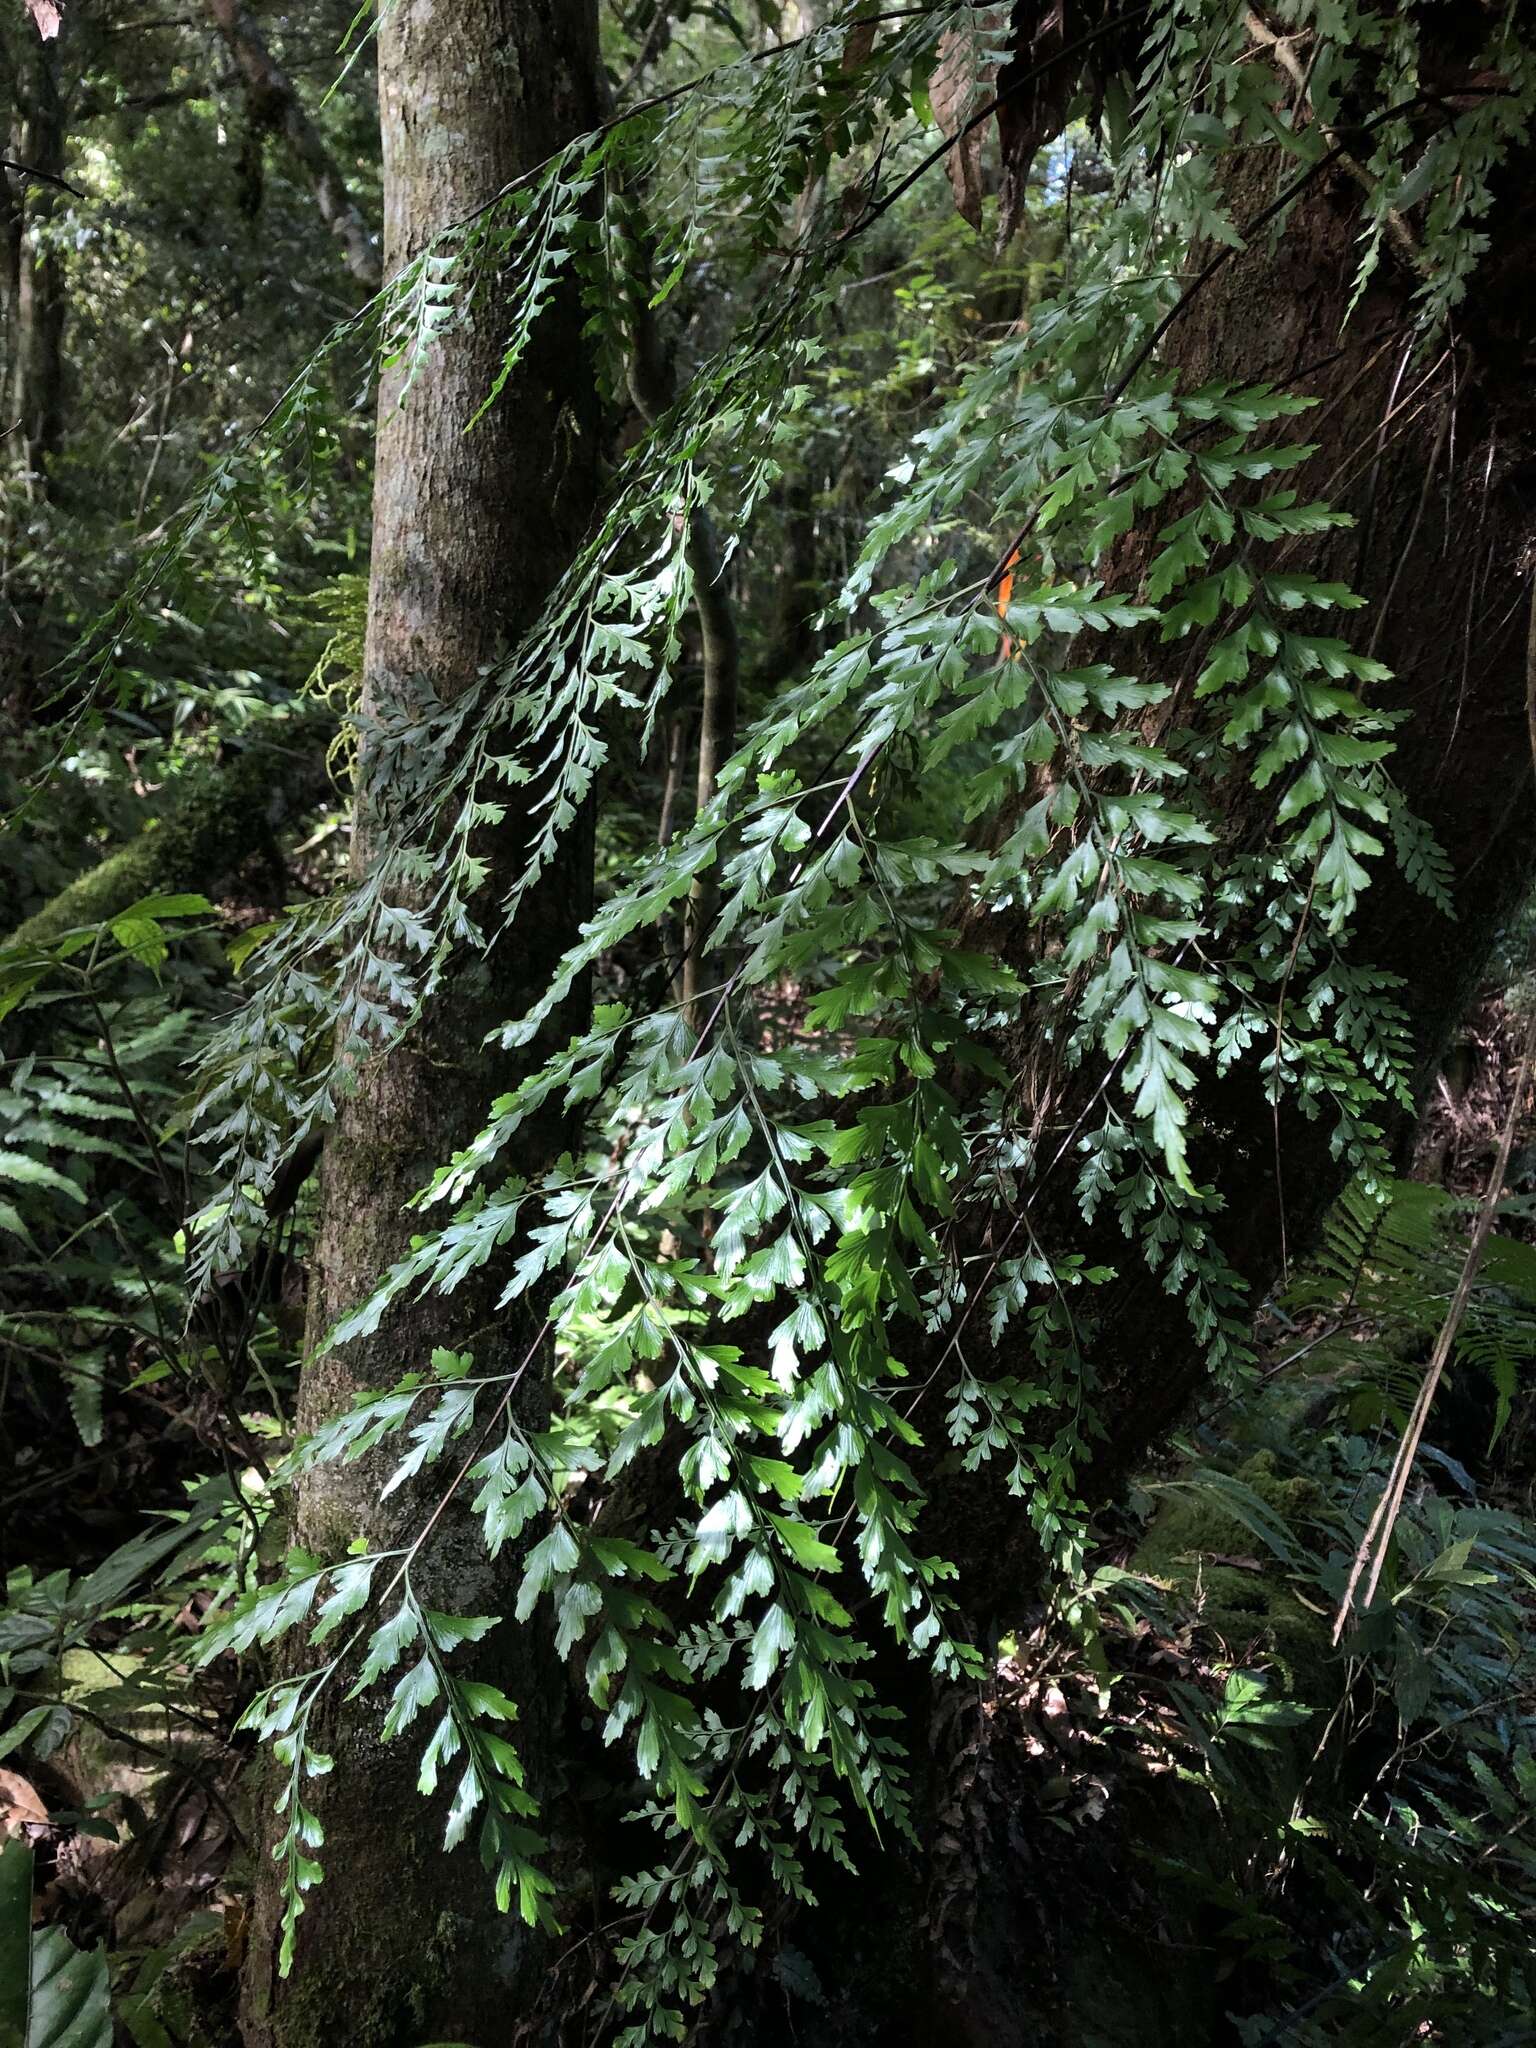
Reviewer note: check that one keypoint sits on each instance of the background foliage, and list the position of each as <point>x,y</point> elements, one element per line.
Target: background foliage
<point>1024,648</point>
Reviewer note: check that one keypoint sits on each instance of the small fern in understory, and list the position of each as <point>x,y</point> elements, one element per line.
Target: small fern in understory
<point>1373,1869</point>
<point>91,1180</point>
<point>1382,1283</point>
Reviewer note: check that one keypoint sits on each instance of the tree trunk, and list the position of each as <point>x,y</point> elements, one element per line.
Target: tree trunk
<point>402,1943</point>
<point>12,230</point>
<point>275,104</point>
<point>38,407</point>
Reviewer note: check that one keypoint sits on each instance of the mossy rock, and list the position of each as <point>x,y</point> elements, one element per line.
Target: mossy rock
<point>95,1761</point>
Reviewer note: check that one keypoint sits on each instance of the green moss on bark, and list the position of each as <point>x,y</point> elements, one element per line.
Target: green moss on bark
<point>226,814</point>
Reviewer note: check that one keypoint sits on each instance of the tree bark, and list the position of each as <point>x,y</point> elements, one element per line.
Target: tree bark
<point>12,230</point>
<point>275,104</point>
<point>38,362</point>
<point>402,1943</point>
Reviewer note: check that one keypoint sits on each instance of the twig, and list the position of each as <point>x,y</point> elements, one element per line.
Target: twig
<point>43,177</point>
<point>1398,231</point>
<point>1371,1554</point>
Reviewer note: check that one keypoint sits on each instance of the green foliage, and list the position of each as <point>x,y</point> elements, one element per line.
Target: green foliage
<point>1395,1263</point>
<point>69,2002</point>
<point>137,1588</point>
<point>832,1163</point>
<point>1368,1877</point>
<point>52,1994</point>
<point>82,1172</point>
<point>831,1178</point>
<point>1377,1856</point>
<point>1166,777</point>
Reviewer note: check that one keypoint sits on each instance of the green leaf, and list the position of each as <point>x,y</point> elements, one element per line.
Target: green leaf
<point>170,906</point>
<point>785,1481</point>
<point>28,1172</point>
<point>415,1692</point>
<point>387,1646</point>
<point>11,1222</point>
<point>773,1638</point>
<point>52,1994</point>
<point>805,1546</point>
<point>141,938</point>
<point>15,1941</point>
<point>70,2006</point>
<point>556,1553</point>
<point>20,1730</point>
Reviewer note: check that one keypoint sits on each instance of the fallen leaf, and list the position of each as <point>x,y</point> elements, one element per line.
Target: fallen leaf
<point>20,1807</point>
<point>958,87</point>
<point>1063,51</point>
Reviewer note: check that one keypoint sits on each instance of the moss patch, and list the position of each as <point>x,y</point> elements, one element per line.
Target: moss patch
<point>1251,1605</point>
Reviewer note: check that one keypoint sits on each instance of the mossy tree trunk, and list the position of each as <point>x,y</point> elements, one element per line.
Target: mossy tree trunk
<point>402,1943</point>
<point>222,816</point>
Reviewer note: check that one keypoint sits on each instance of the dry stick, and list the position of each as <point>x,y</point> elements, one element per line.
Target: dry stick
<point>9,163</point>
<point>1372,1551</point>
<point>655,41</point>
<point>674,781</point>
<point>1371,1555</point>
<point>1398,230</point>
<point>1431,470</point>
<point>652,384</point>
<point>175,357</point>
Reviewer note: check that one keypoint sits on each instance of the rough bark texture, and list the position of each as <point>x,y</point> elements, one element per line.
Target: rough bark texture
<point>12,230</point>
<point>402,1943</point>
<point>38,364</point>
<point>276,105</point>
